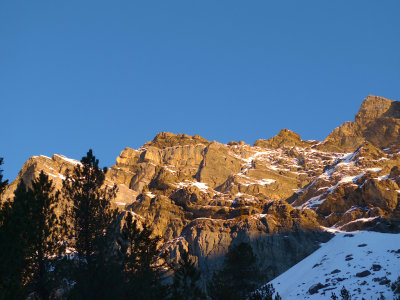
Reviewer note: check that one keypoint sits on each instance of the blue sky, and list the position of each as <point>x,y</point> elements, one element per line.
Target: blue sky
<point>106,75</point>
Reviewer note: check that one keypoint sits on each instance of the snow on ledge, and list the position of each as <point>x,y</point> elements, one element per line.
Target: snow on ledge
<point>70,160</point>
<point>200,185</point>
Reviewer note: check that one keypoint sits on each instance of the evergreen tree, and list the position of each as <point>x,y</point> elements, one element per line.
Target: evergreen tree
<point>31,235</point>
<point>90,226</point>
<point>396,286</point>
<point>46,235</point>
<point>3,184</point>
<point>218,288</point>
<point>241,265</point>
<point>186,280</point>
<point>13,234</point>
<point>141,254</point>
<point>277,297</point>
<point>266,292</point>
<point>345,294</point>
<point>239,275</point>
<point>4,208</point>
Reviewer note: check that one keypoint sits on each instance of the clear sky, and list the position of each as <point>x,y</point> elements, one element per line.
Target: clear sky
<point>106,75</point>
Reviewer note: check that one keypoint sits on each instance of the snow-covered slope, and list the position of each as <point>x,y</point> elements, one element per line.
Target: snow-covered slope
<point>363,262</point>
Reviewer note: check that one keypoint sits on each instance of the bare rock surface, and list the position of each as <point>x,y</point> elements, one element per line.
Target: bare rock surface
<point>285,138</point>
<point>377,121</point>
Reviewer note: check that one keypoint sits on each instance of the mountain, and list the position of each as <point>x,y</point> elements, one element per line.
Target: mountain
<point>377,121</point>
<point>279,195</point>
<point>362,262</point>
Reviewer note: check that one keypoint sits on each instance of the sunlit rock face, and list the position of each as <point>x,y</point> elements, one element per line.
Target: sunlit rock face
<point>278,195</point>
<point>377,121</point>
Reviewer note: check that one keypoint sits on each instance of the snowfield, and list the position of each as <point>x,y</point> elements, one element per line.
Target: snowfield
<point>366,263</point>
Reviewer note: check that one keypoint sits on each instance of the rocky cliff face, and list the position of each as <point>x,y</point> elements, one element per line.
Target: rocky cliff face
<point>277,194</point>
<point>356,191</point>
<point>377,121</point>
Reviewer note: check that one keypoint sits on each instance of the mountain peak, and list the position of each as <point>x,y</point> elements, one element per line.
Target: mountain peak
<point>285,137</point>
<point>288,133</point>
<point>377,121</point>
<point>167,139</point>
<point>374,107</point>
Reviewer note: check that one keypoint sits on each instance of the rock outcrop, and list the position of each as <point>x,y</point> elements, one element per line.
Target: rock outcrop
<point>377,121</point>
<point>285,138</point>
<point>54,167</point>
<point>166,139</point>
<point>361,186</point>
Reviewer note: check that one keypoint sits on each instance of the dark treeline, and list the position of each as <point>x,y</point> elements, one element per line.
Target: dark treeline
<point>71,244</point>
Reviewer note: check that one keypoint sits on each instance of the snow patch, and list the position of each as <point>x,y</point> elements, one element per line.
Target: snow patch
<point>70,160</point>
<point>346,179</point>
<point>43,156</point>
<point>150,194</point>
<point>57,176</point>
<point>312,202</point>
<point>200,185</point>
<point>341,262</point>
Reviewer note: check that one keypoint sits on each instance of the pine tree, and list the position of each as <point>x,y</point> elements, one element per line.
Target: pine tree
<point>345,294</point>
<point>3,184</point>
<point>239,275</point>
<point>31,236</point>
<point>241,265</point>
<point>13,234</point>
<point>90,225</point>
<point>186,280</point>
<point>46,235</point>
<point>218,288</point>
<point>396,286</point>
<point>5,209</point>
<point>141,254</point>
<point>277,297</point>
<point>266,292</point>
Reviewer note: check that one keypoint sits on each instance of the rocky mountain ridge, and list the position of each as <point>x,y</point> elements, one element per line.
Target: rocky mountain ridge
<point>278,194</point>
